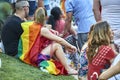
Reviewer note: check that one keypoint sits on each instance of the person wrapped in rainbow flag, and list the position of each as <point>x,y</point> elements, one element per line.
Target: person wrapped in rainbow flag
<point>41,47</point>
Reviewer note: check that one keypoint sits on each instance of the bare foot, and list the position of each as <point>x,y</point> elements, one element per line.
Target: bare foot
<point>72,72</point>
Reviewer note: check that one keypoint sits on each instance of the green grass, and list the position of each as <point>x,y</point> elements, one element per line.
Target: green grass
<point>14,69</point>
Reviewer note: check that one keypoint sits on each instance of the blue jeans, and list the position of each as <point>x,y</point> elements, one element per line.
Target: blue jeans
<point>82,38</point>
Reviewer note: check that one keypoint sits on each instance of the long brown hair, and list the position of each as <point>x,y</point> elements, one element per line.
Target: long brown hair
<point>99,36</point>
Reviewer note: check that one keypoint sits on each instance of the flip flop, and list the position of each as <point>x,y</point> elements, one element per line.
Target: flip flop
<point>72,72</point>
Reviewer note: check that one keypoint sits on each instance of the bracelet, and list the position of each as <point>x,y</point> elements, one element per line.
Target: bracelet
<point>112,42</point>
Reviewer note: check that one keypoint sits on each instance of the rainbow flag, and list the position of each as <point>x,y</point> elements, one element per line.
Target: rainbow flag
<point>29,49</point>
<point>52,66</point>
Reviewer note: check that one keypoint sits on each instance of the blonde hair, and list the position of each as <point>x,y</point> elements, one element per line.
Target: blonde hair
<point>99,36</point>
<point>39,16</point>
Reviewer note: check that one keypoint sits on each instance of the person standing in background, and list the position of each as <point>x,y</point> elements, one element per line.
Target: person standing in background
<point>83,15</point>
<point>32,8</point>
<point>110,11</point>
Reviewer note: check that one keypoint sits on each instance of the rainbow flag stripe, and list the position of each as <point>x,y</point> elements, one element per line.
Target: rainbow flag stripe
<point>27,50</point>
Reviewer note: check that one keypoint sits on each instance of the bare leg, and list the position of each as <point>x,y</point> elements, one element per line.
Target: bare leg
<point>60,55</point>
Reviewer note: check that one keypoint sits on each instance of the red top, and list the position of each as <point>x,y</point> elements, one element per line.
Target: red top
<point>100,61</point>
<point>60,24</point>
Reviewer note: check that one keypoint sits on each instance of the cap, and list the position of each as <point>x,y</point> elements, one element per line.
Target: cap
<point>21,4</point>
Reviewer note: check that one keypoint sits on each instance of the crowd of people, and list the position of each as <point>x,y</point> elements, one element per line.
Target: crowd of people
<point>36,32</point>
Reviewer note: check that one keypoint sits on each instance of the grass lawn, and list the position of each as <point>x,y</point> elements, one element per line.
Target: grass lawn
<point>14,69</point>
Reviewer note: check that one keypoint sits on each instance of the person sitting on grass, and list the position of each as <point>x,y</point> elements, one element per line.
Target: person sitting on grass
<point>99,52</point>
<point>56,20</point>
<point>58,24</point>
<point>38,44</point>
<point>12,30</point>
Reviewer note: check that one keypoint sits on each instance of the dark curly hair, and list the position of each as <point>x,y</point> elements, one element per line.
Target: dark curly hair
<point>55,15</point>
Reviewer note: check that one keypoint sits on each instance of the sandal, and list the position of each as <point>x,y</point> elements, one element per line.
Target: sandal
<point>72,72</point>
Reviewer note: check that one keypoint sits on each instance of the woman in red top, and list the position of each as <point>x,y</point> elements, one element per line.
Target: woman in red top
<point>99,52</point>
<point>56,20</point>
